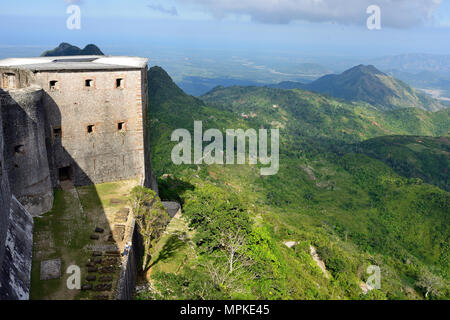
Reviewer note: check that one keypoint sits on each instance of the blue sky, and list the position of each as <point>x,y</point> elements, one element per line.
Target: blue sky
<point>334,28</point>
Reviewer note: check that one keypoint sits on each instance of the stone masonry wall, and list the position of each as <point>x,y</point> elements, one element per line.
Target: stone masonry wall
<point>128,273</point>
<point>5,195</point>
<point>16,237</point>
<point>106,153</point>
<point>25,150</point>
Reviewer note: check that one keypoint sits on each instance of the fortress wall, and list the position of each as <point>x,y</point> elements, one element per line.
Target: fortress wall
<point>15,274</point>
<point>25,152</point>
<point>5,195</point>
<point>150,179</point>
<point>13,78</point>
<point>16,237</point>
<point>128,274</point>
<point>106,154</point>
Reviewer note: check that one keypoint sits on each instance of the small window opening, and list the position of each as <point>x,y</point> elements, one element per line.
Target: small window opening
<point>65,173</point>
<point>90,128</point>
<point>53,85</point>
<point>121,126</point>
<point>119,83</point>
<point>57,132</point>
<point>20,149</point>
<point>88,83</point>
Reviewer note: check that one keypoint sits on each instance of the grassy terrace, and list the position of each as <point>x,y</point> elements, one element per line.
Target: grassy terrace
<point>65,233</point>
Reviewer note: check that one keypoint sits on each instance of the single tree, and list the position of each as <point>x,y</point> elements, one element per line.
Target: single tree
<point>150,217</point>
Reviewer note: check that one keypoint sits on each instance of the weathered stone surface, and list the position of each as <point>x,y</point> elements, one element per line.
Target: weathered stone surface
<point>26,155</point>
<point>103,287</point>
<point>86,287</point>
<point>105,279</point>
<point>99,230</point>
<point>109,269</point>
<point>172,207</point>
<point>51,269</point>
<point>110,262</point>
<point>119,232</point>
<point>97,260</point>
<point>15,270</point>
<point>91,278</point>
<point>92,269</point>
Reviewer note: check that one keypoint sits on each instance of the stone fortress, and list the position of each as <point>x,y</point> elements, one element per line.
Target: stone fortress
<point>78,118</point>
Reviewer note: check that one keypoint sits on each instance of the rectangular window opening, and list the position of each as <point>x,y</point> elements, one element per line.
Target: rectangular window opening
<point>53,85</point>
<point>119,83</point>
<point>89,83</point>
<point>90,128</point>
<point>57,132</point>
<point>121,126</point>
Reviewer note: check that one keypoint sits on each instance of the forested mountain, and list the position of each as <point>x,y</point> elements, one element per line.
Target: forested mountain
<point>368,84</point>
<point>359,185</point>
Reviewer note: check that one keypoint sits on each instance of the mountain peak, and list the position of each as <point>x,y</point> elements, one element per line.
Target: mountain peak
<point>66,49</point>
<point>368,84</point>
<point>364,69</point>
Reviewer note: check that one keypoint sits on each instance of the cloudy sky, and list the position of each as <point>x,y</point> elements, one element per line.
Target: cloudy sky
<point>310,26</point>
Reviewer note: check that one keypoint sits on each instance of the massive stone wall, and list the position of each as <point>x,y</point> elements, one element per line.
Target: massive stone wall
<point>129,269</point>
<point>25,151</point>
<point>16,237</point>
<point>97,131</point>
<point>5,194</point>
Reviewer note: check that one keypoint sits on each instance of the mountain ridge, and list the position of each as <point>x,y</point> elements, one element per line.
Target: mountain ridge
<point>368,84</point>
<point>66,49</point>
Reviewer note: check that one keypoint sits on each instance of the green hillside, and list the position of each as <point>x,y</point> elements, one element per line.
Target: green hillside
<point>426,158</point>
<point>339,189</point>
<point>368,84</point>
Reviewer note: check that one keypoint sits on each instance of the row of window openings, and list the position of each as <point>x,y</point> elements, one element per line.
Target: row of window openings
<point>121,126</point>
<point>88,83</point>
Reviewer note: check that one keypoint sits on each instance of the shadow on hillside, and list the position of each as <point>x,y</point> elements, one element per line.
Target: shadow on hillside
<point>172,189</point>
<point>173,244</point>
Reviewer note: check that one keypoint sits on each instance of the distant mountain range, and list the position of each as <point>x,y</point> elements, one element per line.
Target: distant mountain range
<point>66,49</point>
<point>414,63</point>
<point>368,84</point>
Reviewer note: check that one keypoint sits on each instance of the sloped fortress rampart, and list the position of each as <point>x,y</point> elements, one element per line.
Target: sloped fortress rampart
<point>79,118</point>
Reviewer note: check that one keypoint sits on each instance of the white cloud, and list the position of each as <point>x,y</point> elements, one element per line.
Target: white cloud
<point>394,13</point>
<point>159,7</point>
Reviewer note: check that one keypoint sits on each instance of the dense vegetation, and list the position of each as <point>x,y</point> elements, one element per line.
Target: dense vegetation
<point>344,188</point>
